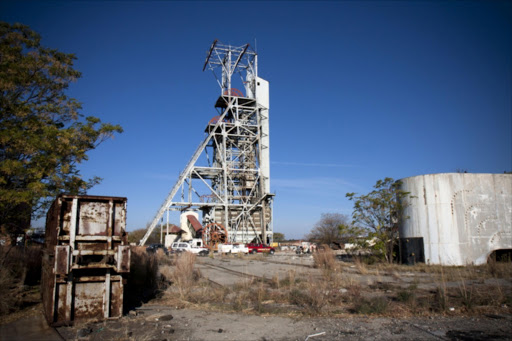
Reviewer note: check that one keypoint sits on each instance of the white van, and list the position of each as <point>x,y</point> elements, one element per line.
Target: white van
<point>182,246</point>
<point>233,248</point>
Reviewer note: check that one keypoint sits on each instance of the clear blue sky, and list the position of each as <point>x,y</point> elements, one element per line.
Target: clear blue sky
<point>359,91</point>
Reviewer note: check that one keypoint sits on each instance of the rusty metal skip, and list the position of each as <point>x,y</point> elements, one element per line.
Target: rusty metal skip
<point>85,260</point>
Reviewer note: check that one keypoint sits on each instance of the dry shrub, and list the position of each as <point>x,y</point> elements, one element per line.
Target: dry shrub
<point>291,278</point>
<point>276,283</point>
<point>300,297</point>
<point>25,263</point>
<point>288,281</point>
<point>166,271</point>
<point>499,269</point>
<point>245,284</point>
<point>144,280</point>
<point>259,295</point>
<point>466,293</point>
<point>361,266</point>
<point>324,258</point>
<point>375,305</point>
<point>19,267</point>
<point>408,295</point>
<point>492,267</point>
<point>496,296</point>
<point>312,298</point>
<point>161,257</point>
<point>205,294</point>
<point>240,297</point>
<point>185,276</point>
<point>353,288</point>
<point>8,283</point>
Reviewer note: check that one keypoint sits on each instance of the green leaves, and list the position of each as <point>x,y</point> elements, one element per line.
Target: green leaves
<point>381,212</point>
<point>43,136</point>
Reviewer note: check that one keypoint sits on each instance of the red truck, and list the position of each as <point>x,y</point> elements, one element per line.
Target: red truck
<point>259,248</point>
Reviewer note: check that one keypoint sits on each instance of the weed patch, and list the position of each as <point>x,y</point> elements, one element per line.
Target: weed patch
<point>376,305</point>
<point>406,296</point>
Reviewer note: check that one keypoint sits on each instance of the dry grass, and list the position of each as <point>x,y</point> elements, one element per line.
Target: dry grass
<point>8,284</point>
<point>144,280</point>
<point>372,306</point>
<point>324,258</point>
<point>361,266</point>
<point>184,275</point>
<point>20,271</point>
<point>374,289</point>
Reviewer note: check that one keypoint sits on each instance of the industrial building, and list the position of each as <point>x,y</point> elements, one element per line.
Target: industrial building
<point>456,218</point>
<point>223,193</point>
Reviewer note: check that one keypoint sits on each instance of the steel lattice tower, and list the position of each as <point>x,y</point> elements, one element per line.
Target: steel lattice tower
<point>228,177</point>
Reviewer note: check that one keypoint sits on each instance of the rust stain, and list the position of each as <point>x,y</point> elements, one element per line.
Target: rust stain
<point>75,276</point>
<point>62,260</point>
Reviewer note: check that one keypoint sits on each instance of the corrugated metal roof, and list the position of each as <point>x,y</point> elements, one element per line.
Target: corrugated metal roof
<point>194,222</point>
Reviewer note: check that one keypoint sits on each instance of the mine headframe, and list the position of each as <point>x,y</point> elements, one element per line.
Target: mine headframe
<point>228,177</point>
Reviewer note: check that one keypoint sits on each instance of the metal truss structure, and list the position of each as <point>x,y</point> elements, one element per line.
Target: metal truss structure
<point>228,176</point>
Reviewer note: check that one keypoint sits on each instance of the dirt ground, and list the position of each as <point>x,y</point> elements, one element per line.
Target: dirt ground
<point>153,322</point>
<point>160,320</point>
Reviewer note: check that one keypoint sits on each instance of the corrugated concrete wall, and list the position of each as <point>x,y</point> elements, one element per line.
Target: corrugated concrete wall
<point>461,217</point>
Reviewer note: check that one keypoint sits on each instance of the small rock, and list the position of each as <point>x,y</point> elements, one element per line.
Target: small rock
<point>129,334</point>
<point>171,331</point>
<point>166,318</point>
<point>132,313</point>
<point>220,330</point>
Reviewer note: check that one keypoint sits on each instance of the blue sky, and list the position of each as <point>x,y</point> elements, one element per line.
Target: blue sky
<point>359,91</point>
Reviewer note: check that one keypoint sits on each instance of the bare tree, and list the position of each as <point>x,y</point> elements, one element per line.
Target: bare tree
<point>329,228</point>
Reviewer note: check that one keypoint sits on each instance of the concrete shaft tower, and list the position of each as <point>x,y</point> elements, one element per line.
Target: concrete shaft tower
<point>228,177</point>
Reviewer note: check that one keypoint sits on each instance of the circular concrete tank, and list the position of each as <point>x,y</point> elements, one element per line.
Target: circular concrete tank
<point>462,217</point>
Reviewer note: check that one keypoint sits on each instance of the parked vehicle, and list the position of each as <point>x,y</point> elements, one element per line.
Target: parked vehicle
<point>302,250</point>
<point>260,248</point>
<point>186,247</point>
<point>233,248</point>
<point>153,248</point>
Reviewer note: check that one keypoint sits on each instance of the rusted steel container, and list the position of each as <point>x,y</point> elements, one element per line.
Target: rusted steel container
<point>85,260</point>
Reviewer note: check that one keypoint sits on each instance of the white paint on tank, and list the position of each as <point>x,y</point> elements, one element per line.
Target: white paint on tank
<point>462,217</point>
